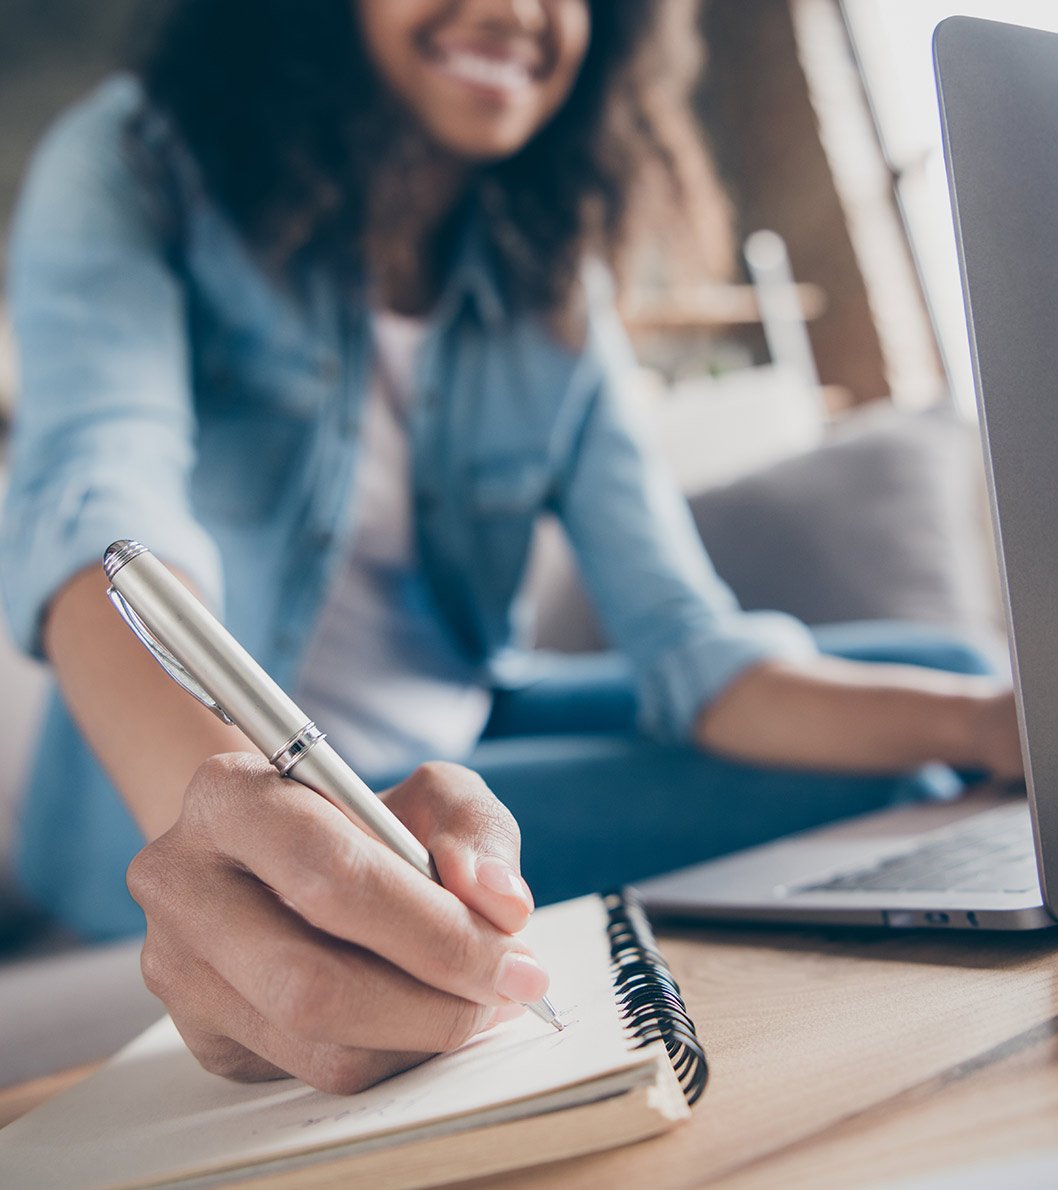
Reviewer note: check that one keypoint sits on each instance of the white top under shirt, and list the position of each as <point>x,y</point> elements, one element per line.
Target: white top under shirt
<point>381,677</point>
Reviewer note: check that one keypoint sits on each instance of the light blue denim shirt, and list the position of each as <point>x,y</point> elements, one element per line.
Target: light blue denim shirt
<point>170,392</point>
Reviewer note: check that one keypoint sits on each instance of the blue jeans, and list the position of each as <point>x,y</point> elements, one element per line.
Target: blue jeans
<point>599,805</point>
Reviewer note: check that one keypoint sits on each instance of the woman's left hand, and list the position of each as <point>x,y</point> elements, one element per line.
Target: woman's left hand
<point>999,741</point>
<point>831,714</point>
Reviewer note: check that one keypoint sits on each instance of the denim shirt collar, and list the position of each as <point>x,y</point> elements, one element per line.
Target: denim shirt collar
<point>475,275</point>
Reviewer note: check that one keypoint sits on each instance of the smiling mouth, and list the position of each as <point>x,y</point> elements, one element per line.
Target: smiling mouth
<point>499,75</point>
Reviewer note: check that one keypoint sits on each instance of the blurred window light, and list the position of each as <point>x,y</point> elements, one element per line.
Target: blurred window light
<point>893,41</point>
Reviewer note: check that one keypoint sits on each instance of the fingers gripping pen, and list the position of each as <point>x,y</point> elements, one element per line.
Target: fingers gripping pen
<point>202,656</point>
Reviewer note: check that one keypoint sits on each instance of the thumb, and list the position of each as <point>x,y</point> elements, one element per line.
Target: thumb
<point>472,836</point>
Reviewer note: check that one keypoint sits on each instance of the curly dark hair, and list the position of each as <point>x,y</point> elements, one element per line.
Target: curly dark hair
<point>290,125</point>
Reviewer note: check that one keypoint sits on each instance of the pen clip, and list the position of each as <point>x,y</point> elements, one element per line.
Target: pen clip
<point>164,658</point>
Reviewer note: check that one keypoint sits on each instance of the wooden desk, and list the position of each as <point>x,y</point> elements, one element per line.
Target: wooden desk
<point>838,1060</point>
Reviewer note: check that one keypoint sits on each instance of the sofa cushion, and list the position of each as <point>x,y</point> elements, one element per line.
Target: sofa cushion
<point>886,519</point>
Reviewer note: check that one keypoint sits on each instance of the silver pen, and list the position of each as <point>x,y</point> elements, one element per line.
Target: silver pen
<point>195,649</point>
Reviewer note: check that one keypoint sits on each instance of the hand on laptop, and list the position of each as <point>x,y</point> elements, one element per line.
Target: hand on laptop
<point>827,713</point>
<point>997,731</point>
<point>284,939</point>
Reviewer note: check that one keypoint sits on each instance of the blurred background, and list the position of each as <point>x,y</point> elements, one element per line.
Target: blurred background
<point>823,120</point>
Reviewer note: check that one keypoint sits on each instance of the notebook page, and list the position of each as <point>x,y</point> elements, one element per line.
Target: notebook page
<point>153,1114</point>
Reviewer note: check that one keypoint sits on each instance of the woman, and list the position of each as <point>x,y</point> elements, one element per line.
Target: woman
<point>303,307</point>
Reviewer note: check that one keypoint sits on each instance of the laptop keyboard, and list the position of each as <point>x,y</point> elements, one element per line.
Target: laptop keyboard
<point>991,852</point>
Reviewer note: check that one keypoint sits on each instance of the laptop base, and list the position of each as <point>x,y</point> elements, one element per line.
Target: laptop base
<point>765,884</point>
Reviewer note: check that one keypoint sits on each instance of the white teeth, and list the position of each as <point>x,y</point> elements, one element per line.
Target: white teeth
<point>487,72</point>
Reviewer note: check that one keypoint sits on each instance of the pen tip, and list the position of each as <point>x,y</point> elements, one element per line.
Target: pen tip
<point>545,1010</point>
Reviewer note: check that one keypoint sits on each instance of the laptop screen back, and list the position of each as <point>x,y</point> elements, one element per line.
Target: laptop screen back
<point>998,88</point>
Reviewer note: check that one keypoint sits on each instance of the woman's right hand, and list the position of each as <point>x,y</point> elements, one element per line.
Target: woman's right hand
<point>284,940</point>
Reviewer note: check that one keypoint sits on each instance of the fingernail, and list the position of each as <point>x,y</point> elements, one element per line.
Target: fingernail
<point>499,877</point>
<point>521,979</point>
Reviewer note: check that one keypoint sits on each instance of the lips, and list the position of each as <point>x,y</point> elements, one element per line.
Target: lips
<point>497,68</point>
<point>497,74</point>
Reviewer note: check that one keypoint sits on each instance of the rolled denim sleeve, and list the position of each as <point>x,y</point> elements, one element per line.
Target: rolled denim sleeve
<point>104,438</point>
<point>658,595</point>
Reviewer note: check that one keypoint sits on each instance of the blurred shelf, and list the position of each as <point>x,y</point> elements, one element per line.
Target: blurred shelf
<point>714,307</point>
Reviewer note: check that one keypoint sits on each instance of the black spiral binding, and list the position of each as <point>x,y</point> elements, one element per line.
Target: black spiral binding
<point>648,996</point>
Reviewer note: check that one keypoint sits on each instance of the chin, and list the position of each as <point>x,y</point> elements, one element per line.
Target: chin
<point>485,154</point>
<point>480,145</point>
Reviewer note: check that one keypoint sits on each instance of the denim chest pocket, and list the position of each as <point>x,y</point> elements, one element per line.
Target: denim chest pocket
<point>258,414</point>
<point>509,486</point>
<point>507,495</point>
<point>240,370</point>
<point>245,465</point>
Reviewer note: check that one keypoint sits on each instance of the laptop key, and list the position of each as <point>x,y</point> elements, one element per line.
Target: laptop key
<point>991,853</point>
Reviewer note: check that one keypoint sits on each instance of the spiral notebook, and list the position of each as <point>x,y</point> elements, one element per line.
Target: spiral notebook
<point>628,1065</point>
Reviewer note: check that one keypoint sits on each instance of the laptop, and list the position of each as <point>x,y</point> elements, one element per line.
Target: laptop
<point>987,860</point>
